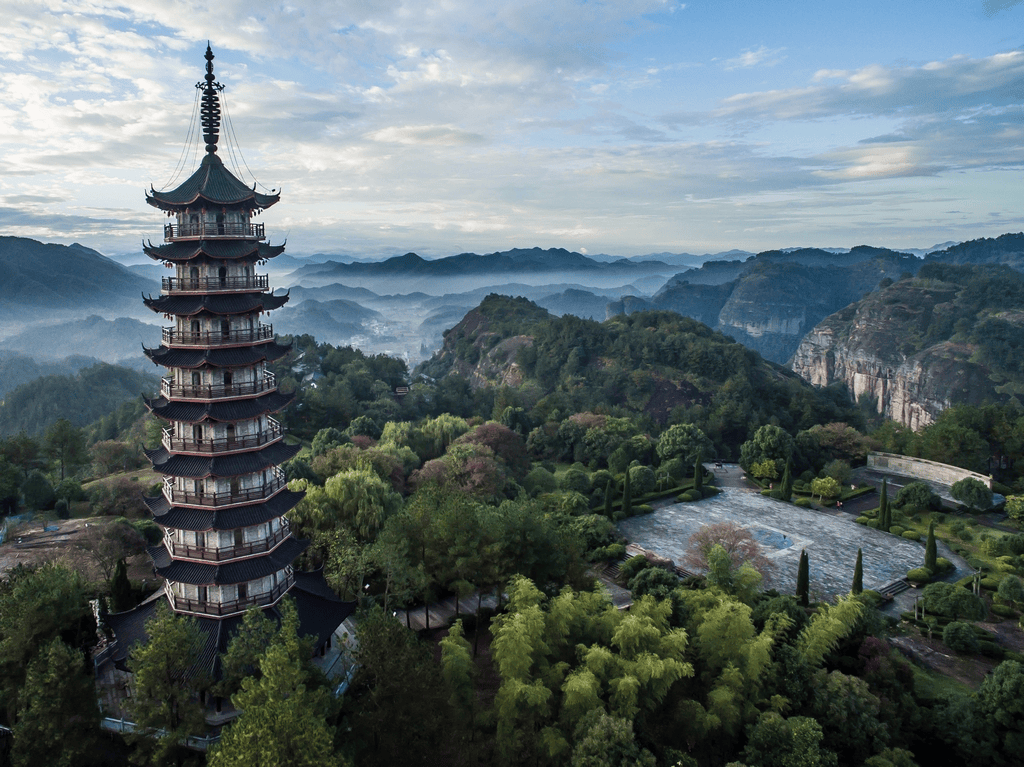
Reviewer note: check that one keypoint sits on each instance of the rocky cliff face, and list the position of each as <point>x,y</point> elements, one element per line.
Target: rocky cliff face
<point>884,348</point>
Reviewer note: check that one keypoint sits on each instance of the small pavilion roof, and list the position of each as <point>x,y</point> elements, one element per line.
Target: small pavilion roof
<point>200,520</point>
<point>211,186</point>
<point>199,466</point>
<point>228,411</point>
<point>206,574</point>
<point>320,614</point>
<point>222,250</point>
<point>242,356</point>
<point>218,303</point>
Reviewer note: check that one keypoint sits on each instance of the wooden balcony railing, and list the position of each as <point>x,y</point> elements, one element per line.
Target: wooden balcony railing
<point>237,551</point>
<point>170,389</point>
<point>231,607</point>
<point>214,284</point>
<point>228,498</point>
<point>210,230</point>
<point>272,433</point>
<point>175,337</point>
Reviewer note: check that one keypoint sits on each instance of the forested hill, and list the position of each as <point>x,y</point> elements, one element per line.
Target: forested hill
<point>665,366</point>
<point>83,398</point>
<point>36,275</point>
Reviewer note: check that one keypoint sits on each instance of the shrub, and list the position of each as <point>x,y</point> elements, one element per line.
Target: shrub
<point>897,530</point>
<point>631,567</point>
<point>688,496</point>
<point>991,649</point>
<point>912,535</point>
<point>919,575</point>
<point>989,583</point>
<point>873,524</point>
<point>959,636</point>
<point>804,503</point>
<point>858,520</point>
<point>1004,611</point>
<point>916,495</point>
<point>643,508</point>
<point>709,490</point>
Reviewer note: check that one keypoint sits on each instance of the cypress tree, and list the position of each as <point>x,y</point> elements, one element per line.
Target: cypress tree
<point>120,589</point>
<point>883,507</point>
<point>698,474</point>
<point>930,552</point>
<point>787,483</point>
<point>803,579</point>
<point>858,573</point>
<point>609,498</point>
<point>627,496</point>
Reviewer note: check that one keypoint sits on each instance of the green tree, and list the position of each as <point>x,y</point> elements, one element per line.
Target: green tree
<point>916,496</point>
<point>1015,507</point>
<point>930,549</point>
<point>121,589</point>
<point>459,674</point>
<point>952,601</point>
<point>685,441</point>
<point>973,493</point>
<point>1011,589</point>
<point>786,489</point>
<point>765,469</point>
<point>38,491</point>
<point>778,742</point>
<point>609,498</point>
<point>604,740</point>
<point>38,605</point>
<point>363,500</point>
<point>284,712</point>
<point>627,495</point>
<point>58,719</point>
<point>839,470</point>
<point>770,443</point>
<point>803,579</point>
<point>1001,704</point>
<point>166,683</point>
<point>65,445</point>
<point>884,521</point>
<point>858,573</point>
<point>824,487</point>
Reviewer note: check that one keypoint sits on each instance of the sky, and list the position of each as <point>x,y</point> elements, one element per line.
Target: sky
<point>446,126</point>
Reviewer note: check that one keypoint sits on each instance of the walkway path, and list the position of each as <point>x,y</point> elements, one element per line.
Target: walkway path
<point>442,613</point>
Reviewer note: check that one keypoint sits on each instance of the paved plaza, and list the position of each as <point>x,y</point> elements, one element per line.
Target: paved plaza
<point>830,538</point>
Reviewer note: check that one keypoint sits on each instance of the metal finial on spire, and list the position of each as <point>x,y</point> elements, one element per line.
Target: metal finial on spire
<point>210,107</point>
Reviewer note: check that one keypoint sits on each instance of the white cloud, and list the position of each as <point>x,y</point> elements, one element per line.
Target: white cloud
<point>752,57</point>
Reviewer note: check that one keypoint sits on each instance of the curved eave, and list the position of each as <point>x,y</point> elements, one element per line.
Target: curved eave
<point>213,186</point>
<point>221,250</point>
<point>205,519</point>
<point>240,357</point>
<point>231,411</point>
<point>198,467</point>
<point>204,574</point>
<point>219,304</point>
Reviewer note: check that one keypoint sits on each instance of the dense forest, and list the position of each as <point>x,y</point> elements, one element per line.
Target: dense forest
<point>501,467</point>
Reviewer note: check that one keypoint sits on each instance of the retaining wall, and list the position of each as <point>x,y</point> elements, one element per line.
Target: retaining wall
<point>922,469</point>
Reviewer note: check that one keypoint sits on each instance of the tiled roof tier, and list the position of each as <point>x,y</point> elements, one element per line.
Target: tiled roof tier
<point>319,615</point>
<point>234,357</point>
<point>219,303</point>
<point>205,574</point>
<point>230,411</point>
<point>199,466</point>
<point>222,250</point>
<point>214,186</point>
<point>200,520</point>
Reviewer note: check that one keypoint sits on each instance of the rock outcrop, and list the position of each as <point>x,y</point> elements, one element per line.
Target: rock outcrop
<point>907,349</point>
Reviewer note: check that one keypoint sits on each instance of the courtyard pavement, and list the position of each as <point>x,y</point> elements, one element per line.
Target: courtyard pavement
<point>831,538</point>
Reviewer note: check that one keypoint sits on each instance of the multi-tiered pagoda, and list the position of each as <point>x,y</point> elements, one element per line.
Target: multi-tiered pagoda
<point>226,544</point>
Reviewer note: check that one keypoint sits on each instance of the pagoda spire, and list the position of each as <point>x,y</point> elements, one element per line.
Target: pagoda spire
<point>210,108</point>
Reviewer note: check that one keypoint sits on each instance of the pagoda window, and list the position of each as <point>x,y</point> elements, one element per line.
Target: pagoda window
<point>225,325</point>
<point>239,536</point>
<point>197,328</point>
<point>222,273</point>
<point>193,275</point>
<point>227,379</point>
<point>236,486</point>
<point>230,430</point>
<point>220,223</point>
<point>243,592</point>
<point>197,433</point>
<point>197,378</point>
<point>203,594</point>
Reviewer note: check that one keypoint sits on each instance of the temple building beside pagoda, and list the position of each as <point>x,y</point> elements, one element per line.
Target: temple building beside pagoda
<point>226,541</point>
